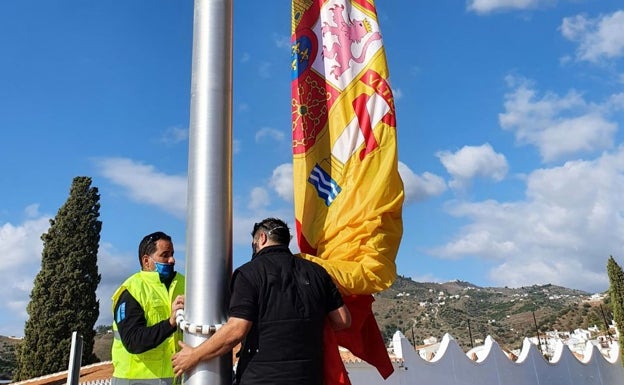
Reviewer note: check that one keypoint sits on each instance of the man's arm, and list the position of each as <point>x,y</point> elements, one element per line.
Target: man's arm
<point>222,342</point>
<point>135,335</point>
<point>340,318</point>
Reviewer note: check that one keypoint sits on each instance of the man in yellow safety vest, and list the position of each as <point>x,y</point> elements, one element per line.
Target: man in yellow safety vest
<point>144,321</point>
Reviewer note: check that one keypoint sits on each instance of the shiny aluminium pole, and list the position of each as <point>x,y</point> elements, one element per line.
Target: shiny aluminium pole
<point>209,202</point>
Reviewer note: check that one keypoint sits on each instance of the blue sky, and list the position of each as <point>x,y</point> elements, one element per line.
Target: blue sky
<point>509,117</point>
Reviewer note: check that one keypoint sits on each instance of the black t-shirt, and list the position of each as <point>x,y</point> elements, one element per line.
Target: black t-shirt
<point>287,298</point>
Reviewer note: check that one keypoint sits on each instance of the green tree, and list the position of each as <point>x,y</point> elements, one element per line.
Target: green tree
<point>63,299</point>
<point>616,292</point>
<point>7,360</point>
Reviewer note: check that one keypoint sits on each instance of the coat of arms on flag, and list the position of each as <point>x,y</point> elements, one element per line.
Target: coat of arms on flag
<point>347,189</point>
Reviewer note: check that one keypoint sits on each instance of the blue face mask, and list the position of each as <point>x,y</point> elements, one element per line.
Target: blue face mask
<point>165,270</point>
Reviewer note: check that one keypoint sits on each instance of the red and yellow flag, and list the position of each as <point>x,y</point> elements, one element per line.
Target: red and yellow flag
<point>347,189</point>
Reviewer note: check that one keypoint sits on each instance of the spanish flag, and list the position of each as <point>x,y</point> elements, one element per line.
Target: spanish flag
<point>347,189</point>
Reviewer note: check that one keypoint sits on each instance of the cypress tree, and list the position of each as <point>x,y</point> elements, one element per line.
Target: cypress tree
<point>63,298</point>
<point>616,293</point>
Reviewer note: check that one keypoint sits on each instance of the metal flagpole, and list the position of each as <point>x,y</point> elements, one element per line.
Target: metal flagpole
<point>209,204</point>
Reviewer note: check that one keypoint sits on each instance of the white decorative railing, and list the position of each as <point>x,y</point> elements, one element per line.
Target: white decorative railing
<point>451,366</point>
<point>489,366</point>
<point>106,381</point>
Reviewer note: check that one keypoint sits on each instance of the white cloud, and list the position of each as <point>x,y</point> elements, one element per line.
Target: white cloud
<point>245,219</point>
<point>32,211</point>
<point>544,271</point>
<point>20,247</point>
<point>264,69</point>
<point>174,135</point>
<point>259,197</point>
<point>420,187</point>
<point>272,133</point>
<point>489,6</point>
<point>562,233</point>
<point>244,107</point>
<point>616,102</point>
<point>472,161</point>
<point>144,184</point>
<point>115,266</point>
<point>260,205</point>
<point>243,224</point>
<point>282,181</point>
<point>583,133</point>
<point>21,244</point>
<point>556,125</point>
<point>565,59</point>
<point>599,38</point>
<point>397,93</point>
<point>281,41</point>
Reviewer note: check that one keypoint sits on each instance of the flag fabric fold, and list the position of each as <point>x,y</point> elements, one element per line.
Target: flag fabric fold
<point>363,339</point>
<point>347,189</point>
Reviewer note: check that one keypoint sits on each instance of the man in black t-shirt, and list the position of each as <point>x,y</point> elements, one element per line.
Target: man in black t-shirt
<point>278,308</point>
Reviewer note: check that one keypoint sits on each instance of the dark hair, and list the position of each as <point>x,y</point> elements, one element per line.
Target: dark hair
<point>275,229</point>
<point>148,243</point>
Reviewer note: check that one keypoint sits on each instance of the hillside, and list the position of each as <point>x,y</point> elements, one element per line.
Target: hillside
<point>422,310</point>
<point>7,356</point>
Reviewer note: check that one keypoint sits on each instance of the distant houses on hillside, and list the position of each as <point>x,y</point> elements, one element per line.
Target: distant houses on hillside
<point>548,343</point>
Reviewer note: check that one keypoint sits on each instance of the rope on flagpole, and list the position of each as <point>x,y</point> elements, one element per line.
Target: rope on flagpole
<point>194,328</point>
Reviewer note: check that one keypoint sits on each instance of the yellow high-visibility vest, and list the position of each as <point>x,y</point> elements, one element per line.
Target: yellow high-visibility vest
<point>152,366</point>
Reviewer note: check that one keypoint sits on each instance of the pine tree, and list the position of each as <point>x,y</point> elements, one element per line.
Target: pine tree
<point>63,299</point>
<point>616,292</point>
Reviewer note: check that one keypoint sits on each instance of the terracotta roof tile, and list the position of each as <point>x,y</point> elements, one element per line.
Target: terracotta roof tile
<point>99,371</point>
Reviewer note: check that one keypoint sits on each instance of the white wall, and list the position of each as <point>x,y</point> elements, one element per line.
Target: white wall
<point>451,366</point>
